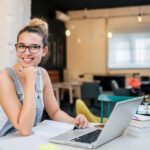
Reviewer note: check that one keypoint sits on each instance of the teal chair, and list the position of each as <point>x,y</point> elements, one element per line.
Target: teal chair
<point>110,99</point>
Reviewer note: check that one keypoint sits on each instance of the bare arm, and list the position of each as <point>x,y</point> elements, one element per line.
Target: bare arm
<point>50,102</point>
<point>21,116</point>
<point>52,107</point>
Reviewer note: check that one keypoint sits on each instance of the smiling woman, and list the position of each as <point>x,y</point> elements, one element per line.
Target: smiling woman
<point>29,86</point>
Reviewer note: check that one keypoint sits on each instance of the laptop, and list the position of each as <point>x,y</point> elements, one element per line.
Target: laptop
<point>93,137</point>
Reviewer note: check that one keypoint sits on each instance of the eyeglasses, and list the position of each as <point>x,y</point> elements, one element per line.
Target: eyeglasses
<point>33,48</point>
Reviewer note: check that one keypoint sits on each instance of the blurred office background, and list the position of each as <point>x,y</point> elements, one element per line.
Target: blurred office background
<point>92,40</point>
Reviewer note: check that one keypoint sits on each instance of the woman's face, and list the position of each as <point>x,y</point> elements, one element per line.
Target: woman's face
<point>26,58</point>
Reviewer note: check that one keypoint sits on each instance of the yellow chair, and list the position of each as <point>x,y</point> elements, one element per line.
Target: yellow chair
<point>81,108</point>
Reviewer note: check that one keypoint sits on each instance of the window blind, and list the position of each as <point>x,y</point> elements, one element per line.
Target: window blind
<point>129,46</point>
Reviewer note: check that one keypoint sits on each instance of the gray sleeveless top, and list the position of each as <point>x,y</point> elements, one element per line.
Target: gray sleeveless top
<point>5,125</point>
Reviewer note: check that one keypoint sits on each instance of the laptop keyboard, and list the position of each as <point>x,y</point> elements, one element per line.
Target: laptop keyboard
<point>89,137</point>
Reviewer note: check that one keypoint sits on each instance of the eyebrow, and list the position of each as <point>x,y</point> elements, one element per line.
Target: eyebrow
<point>21,43</point>
<point>29,44</point>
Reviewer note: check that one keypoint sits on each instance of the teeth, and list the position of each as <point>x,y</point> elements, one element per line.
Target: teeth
<point>27,59</point>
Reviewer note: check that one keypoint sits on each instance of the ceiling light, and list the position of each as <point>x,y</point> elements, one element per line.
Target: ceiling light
<point>139,18</point>
<point>79,40</point>
<point>109,34</point>
<point>68,33</point>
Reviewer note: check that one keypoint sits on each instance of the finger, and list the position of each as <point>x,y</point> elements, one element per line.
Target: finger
<point>82,122</point>
<point>21,68</point>
<point>85,124</point>
<point>77,120</point>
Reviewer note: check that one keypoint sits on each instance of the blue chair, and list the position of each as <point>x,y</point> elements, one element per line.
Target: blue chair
<point>119,91</point>
<point>90,91</point>
<point>110,99</point>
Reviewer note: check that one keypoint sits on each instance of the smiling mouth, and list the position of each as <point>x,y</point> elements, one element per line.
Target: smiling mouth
<point>27,60</point>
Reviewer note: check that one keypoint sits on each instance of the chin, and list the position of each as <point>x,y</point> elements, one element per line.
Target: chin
<point>27,65</point>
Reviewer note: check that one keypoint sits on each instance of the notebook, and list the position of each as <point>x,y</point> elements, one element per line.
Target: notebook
<point>115,127</point>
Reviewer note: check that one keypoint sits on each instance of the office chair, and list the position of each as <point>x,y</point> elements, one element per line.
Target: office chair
<point>81,108</point>
<point>119,91</point>
<point>90,92</point>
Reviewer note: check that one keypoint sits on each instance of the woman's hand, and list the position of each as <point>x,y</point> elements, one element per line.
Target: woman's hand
<point>29,73</point>
<point>27,113</point>
<point>81,121</point>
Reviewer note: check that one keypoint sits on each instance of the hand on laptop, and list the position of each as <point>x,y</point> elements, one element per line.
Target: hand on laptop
<point>81,121</point>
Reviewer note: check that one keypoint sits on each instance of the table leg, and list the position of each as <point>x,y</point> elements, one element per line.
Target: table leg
<point>108,109</point>
<point>70,95</point>
<point>102,111</point>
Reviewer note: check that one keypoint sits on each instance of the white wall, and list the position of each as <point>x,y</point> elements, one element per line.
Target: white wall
<point>14,15</point>
<point>90,55</point>
<point>86,47</point>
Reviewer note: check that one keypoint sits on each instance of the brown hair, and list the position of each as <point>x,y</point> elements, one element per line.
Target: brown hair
<point>39,26</point>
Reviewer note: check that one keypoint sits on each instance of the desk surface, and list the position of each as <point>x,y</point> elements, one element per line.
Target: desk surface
<point>16,142</point>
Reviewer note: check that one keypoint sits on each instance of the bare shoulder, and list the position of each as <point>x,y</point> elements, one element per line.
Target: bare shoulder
<point>4,76</point>
<point>45,76</point>
<point>44,72</point>
<point>3,72</point>
<point>6,82</point>
<point>5,79</point>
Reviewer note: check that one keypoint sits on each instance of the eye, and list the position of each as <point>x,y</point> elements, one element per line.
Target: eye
<point>34,46</point>
<point>21,46</point>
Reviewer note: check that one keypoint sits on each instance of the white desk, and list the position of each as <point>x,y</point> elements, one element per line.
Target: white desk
<point>16,142</point>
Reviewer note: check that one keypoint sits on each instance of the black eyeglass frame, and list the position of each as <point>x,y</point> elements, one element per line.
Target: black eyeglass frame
<point>29,48</point>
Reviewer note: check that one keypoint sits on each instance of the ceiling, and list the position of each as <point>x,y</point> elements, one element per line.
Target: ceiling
<point>66,5</point>
<point>48,7</point>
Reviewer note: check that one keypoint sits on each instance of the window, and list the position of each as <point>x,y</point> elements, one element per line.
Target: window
<point>129,48</point>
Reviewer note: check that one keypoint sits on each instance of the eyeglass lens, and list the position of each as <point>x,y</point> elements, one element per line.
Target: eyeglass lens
<point>33,48</point>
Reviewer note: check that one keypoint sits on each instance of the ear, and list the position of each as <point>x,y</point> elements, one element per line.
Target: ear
<point>45,51</point>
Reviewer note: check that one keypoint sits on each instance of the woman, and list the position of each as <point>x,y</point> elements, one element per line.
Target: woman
<point>26,88</point>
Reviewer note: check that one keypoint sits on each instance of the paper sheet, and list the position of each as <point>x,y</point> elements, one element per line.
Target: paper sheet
<point>49,146</point>
<point>49,128</point>
<point>141,117</point>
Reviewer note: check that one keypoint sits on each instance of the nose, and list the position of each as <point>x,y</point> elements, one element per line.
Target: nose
<point>27,51</point>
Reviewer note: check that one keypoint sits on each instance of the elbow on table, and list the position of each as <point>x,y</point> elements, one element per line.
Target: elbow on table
<point>25,132</point>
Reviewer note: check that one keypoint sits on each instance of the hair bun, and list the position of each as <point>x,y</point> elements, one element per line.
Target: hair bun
<point>41,23</point>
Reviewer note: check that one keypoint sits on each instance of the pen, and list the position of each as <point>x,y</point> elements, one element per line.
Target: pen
<point>136,118</point>
<point>75,127</point>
